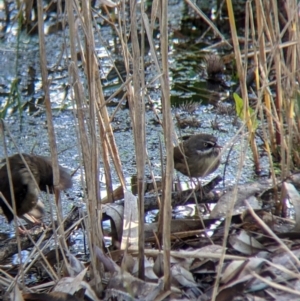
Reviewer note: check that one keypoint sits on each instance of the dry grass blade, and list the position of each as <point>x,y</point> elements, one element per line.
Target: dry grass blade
<point>88,131</point>
<point>131,232</point>
<point>45,81</point>
<point>168,132</point>
<point>138,107</point>
<point>242,77</point>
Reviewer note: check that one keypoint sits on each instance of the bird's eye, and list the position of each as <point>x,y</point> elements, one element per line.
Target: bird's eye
<point>205,144</point>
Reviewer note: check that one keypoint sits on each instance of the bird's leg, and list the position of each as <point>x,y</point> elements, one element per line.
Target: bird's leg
<point>21,231</point>
<point>34,215</point>
<point>199,188</point>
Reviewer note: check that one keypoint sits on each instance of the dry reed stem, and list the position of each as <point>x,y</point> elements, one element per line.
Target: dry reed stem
<point>264,26</point>
<point>159,76</point>
<point>168,133</point>
<point>138,107</point>
<point>50,126</point>
<point>88,142</point>
<point>165,210</point>
<point>108,144</point>
<point>242,77</point>
<point>45,81</point>
<point>279,90</point>
<point>281,111</point>
<point>91,69</point>
<point>263,92</point>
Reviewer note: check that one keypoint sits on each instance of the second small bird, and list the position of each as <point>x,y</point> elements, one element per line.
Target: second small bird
<point>197,156</point>
<point>25,190</point>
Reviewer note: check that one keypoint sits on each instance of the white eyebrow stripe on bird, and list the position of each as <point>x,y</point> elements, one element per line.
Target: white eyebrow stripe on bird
<point>205,151</point>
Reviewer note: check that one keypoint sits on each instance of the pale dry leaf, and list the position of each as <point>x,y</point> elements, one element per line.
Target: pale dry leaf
<point>285,259</point>
<point>16,295</point>
<point>245,243</point>
<point>253,264</point>
<point>237,281</point>
<point>76,265</point>
<point>232,270</point>
<point>108,263</point>
<point>289,191</point>
<point>128,263</point>
<point>70,285</point>
<point>65,285</point>
<point>245,192</point>
<point>116,294</point>
<point>88,291</point>
<point>240,269</point>
<point>130,221</point>
<point>125,282</point>
<point>210,249</point>
<point>184,262</point>
<point>216,249</point>
<point>157,290</point>
<point>109,3</point>
<point>244,274</point>
<point>135,268</point>
<point>116,214</point>
<point>183,276</point>
<point>280,274</point>
<point>149,262</point>
<point>150,275</point>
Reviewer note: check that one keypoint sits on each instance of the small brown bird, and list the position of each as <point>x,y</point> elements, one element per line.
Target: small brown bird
<point>25,189</point>
<point>197,156</point>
